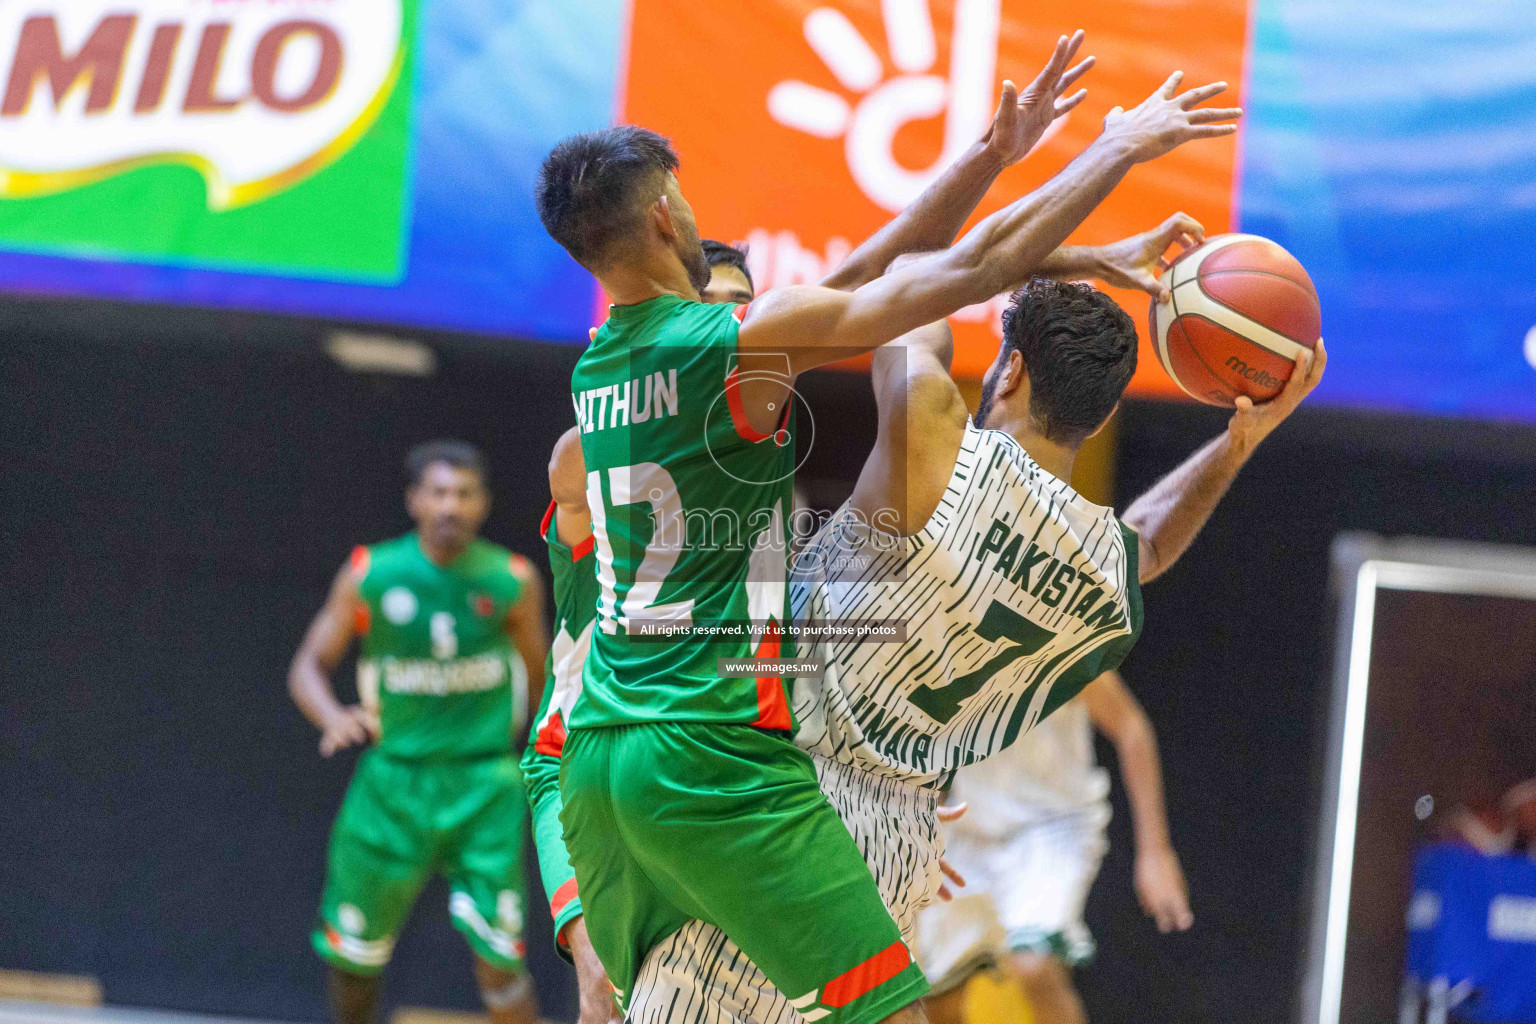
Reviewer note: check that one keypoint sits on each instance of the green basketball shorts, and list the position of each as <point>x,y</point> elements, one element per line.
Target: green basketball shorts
<point>403,820</point>
<point>666,822</point>
<point>554,863</point>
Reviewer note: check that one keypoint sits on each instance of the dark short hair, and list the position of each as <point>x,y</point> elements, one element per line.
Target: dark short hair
<point>592,189</point>
<point>718,254</point>
<point>1079,349</point>
<point>458,454</point>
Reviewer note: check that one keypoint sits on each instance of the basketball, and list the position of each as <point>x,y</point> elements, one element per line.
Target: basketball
<point>1240,309</point>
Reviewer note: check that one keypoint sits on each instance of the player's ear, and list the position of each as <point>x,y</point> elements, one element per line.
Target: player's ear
<point>1012,376</point>
<point>661,216</point>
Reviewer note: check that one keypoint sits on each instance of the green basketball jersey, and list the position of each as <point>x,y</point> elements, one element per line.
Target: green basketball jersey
<point>690,510</point>
<point>574,572</point>
<point>436,657</point>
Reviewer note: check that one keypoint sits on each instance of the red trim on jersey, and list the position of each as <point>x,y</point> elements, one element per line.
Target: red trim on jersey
<point>869,975</point>
<point>551,739</point>
<point>562,897</point>
<point>583,549</point>
<point>738,411</point>
<point>518,562</point>
<point>360,560</point>
<point>362,619</point>
<point>739,314</point>
<point>549,517</point>
<point>772,708</point>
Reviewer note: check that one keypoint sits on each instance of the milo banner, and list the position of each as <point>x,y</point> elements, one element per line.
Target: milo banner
<point>267,136</point>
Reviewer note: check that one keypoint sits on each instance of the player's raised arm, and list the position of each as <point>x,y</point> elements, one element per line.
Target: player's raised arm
<point>568,487</point>
<point>812,325</point>
<point>921,424</point>
<point>1167,517</point>
<point>936,216</point>
<point>309,676</point>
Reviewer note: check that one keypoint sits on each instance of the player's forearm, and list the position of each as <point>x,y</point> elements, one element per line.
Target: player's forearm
<point>1010,245</point>
<point>1142,773</point>
<point>1072,263</point>
<point>1168,517</point>
<point>309,684</point>
<point>931,222</point>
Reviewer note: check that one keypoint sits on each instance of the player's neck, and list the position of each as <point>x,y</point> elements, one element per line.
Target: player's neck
<point>646,279</point>
<point>1054,457</point>
<point>440,555</point>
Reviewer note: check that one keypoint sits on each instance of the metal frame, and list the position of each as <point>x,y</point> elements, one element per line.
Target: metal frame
<point>1362,565</point>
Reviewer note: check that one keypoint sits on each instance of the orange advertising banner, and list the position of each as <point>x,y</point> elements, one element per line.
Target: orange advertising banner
<point>804,125</point>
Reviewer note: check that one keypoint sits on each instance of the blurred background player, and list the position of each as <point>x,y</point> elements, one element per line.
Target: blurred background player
<point>1029,848</point>
<point>447,623</point>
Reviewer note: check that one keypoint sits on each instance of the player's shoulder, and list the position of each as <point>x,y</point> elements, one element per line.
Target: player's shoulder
<point>366,558</point>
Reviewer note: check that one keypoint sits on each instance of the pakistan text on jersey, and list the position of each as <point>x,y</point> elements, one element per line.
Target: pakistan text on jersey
<point>430,678</point>
<point>1016,563</point>
<point>633,401</point>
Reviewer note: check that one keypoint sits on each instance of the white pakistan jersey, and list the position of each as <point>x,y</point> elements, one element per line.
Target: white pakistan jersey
<point>1016,594</point>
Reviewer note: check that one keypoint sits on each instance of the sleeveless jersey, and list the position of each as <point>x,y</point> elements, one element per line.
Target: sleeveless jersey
<point>436,660</point>
<point>1048,773</point>
<point>575,592</point>
<point>690,512</point>
<point>1015,595</point>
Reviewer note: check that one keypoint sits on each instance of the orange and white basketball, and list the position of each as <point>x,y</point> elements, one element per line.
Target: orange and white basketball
<point>1240,310</point>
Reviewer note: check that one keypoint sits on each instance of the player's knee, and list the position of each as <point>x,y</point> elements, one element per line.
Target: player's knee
<point>912,1013</point>
<point>1039,972</point>
<point>503,990</point>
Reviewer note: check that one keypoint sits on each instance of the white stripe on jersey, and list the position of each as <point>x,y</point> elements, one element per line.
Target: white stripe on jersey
<point>1014,581</point>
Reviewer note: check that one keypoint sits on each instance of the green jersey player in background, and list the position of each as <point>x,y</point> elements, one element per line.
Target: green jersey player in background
<point>446,624</point>
<point>684,796</point>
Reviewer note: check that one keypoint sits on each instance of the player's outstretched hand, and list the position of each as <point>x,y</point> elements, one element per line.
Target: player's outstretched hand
<point>1161,889</point>
<point>1252,423</point>
<point>1135,262</point>
<point>1164,121</point>
<point>354,727</point>
<point>1022,119</point>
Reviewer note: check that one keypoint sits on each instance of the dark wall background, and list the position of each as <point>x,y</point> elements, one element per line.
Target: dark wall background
<point>180,488</point>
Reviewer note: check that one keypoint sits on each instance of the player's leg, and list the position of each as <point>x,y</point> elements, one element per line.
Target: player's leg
<point>481,811</point>
<point>699,975</point>
<point>379,859</point>
<point>508,995</point>
<point>1054,865</point>
<point>625,915</point>
<point>354,997</point>
<point>958,938</point>
<point>946,1007</point>
<point>595,998</point>
<point>747,841</point>
<point>1047,983</point>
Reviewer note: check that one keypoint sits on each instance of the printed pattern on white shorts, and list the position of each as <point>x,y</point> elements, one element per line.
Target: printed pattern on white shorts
<point>1016,593</point>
